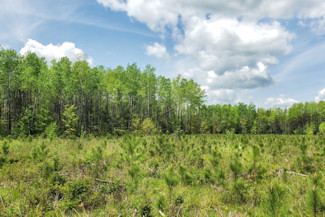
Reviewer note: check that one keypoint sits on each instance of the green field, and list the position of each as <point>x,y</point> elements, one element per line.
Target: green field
<point>171,175</point>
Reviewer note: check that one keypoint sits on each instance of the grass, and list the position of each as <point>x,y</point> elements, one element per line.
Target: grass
<point>187,175</point>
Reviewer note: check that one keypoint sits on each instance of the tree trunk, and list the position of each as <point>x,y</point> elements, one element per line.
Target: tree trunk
<point>33,113</point>
<point>130,112</point>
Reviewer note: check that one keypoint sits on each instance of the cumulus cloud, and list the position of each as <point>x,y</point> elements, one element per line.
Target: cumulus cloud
<point>222,44</point>
<point>244,78</point>
<point>320,96</point>
<point>221,96</point>
<point>281,101</point>
<point>229,45</point>
<point>160,13</point>
<point>50,51</point>
<point>157,50</point>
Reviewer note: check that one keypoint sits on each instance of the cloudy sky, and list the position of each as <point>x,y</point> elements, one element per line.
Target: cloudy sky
<point>269,52</point>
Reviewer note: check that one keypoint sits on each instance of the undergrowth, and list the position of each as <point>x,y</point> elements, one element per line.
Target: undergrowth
<point>171,175</point>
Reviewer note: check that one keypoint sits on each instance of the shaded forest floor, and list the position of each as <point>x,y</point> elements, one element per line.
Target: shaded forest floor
<point>163,175</point>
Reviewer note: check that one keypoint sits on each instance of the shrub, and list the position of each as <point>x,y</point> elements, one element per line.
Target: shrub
<point>136,125</point>
<point>310,129</point>
<point>275,200</point>
<point>51,131</point>
<point>42,120</point>
<point>70,121</point>
<point>171,179</point>
<point>75,192</point>
<point>24,125</point>
<point>148,126</point>
<point>239,191</point>
<point>322,128</point>
<point>314,199</point>
<point>5,148</point>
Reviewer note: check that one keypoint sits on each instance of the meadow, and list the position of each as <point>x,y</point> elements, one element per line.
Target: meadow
<point>163,175</point>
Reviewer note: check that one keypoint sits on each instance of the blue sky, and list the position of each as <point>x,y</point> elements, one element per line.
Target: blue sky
<point>269,52</point>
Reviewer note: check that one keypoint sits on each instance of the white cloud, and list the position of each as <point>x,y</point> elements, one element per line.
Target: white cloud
<point>50,51</point>
<point>221,44</point>
<point>281,101</point>
<point>160,13</point>
<point>321,96</point>
<point>244,78</point>
<point>114,5</point>
<point>157,50</point>
<point>210,36</point>
<point>225,45</point>
<point>155,14</point>
<point>221,96</point>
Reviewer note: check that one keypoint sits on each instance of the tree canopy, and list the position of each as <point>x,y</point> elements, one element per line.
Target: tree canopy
<point>80,99</point>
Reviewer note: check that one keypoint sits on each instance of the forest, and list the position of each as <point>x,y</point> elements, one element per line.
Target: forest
<point>74,99</point>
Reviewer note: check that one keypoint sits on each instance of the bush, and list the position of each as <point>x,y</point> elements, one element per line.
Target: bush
<point>148,126</point>
<point>51,131</point>
<point>310,129</point>
<point>275,200</point>
<point>70,121</point>
<point>42,120</point>
<point>25,123</point>
<point>75,192</point>
<point>322,128</point>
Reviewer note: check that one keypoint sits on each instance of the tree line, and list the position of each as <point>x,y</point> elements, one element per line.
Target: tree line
<point>75,99</point>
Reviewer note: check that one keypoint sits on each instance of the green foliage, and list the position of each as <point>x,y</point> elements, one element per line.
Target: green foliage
<point>148,126</point>
<point>135,172</point>
<point>204,127</point>
<point>42,120</point>
<point>5,148</point>
<point>25,123</point>
<point>148,175</point>
<point>235,165</point>
<point>183,174</point>
<point>39,153</point>
<point>171,178</point>
<point>75,192</point>
<point>70,121</point>
<point>315,197</point>
<point>4,155</point>
<point>275,199</point>
<point>238,191</point>
<point>94,160</point>
<point>310,129</point>
<point>51,131</point>
<point>34,94</point>
<point>322,128</point>
<point>136,124</point>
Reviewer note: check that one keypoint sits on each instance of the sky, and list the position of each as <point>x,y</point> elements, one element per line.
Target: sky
<point>267,52</point>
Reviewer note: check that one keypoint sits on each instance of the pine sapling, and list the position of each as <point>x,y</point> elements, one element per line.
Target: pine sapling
<point>236,166</point>
<point>315,202</point>
<point>275,199</point>
<point>171,180</point>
